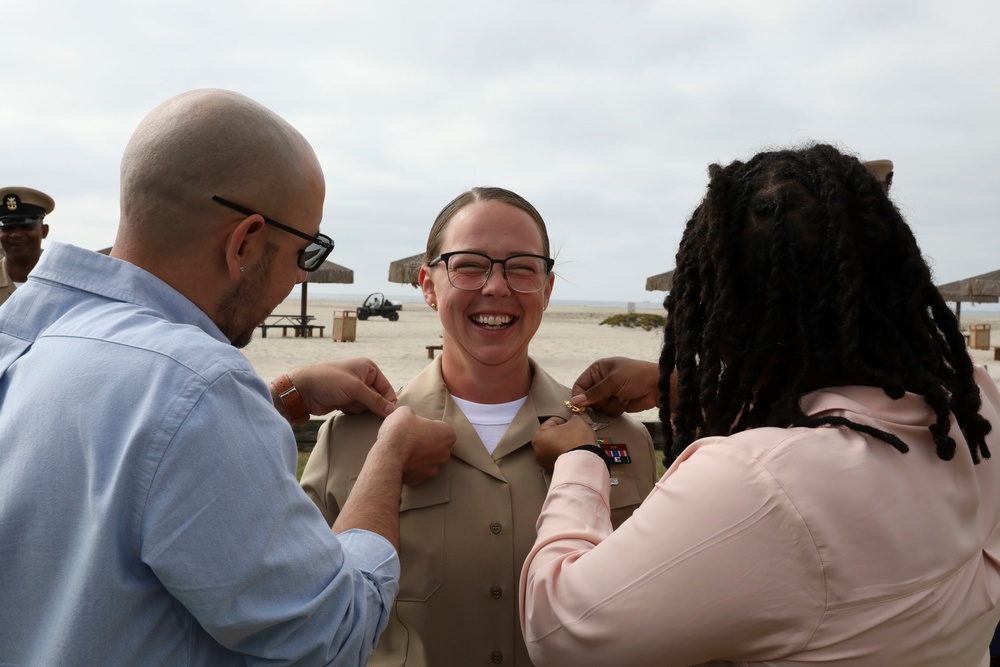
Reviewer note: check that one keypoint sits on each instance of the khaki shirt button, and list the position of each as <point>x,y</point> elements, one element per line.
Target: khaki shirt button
<point>496,592</point>
<point>495,527</point>
<point>497,657</point>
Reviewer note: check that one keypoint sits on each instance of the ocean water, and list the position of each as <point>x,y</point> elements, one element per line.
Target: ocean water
<point>318,293</point>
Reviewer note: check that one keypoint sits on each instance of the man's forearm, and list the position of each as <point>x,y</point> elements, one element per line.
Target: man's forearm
<point>374,502</point>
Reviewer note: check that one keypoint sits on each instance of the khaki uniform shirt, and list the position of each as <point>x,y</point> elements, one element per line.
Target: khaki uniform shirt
<point>465,533</point>
<point>6,284</point>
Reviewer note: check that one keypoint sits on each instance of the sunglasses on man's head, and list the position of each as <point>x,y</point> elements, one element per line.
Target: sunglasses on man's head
<point>311,257</point>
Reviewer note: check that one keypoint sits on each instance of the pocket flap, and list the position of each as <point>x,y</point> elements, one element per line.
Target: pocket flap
<point>434,491</point>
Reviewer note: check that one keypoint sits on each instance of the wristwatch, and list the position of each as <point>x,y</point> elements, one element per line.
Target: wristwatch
<point>594,449</point>
<point>289,396</point>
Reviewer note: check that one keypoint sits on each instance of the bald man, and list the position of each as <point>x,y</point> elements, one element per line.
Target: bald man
<point>149,512</point>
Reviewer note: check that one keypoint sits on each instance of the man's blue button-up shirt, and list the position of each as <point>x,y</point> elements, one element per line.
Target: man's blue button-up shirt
<point>149,512</point>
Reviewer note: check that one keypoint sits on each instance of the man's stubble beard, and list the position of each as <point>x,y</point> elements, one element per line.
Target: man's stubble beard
<point>241,310</point>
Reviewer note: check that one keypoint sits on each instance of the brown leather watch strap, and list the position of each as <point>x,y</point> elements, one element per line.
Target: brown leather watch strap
<point>289,397</point>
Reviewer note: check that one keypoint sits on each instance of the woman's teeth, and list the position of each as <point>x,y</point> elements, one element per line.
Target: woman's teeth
<point>493,320</point>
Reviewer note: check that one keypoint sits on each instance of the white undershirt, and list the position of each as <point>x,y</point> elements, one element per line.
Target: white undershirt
<point>489,419</point>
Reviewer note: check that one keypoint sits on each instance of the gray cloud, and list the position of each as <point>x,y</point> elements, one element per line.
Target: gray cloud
<point>604,114</point>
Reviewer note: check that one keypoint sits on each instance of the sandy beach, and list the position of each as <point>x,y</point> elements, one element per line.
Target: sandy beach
<point>569,338</point>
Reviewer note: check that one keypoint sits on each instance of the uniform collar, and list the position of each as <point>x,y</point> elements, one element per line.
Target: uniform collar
<point>428,396</point>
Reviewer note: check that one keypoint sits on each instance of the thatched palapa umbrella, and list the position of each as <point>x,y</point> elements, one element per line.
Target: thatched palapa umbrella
<point>328,273</point>
<point>661,282</point>
<point>984,288</point>
<point>405,271</point>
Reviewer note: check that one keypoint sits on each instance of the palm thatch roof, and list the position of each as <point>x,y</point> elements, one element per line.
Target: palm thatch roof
<point>406,270</point>
<point>328,273</point>
<point>984,288</point>
<point>661,282</point>
<point>331,273</point>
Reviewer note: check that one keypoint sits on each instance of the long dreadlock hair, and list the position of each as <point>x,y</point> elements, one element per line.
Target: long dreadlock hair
<point>797,272</point>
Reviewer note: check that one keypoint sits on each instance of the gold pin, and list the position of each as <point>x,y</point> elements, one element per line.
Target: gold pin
<point>575,409</point>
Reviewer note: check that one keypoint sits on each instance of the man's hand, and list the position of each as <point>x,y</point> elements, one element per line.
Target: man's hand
<point>349,385</point>
<point>618,384</point>
<point>423,444</point>
<point>557,436</point>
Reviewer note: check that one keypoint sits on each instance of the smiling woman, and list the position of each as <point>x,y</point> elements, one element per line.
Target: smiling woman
<point>465,533</point>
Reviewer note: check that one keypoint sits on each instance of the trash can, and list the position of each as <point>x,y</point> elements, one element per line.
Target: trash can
<point>980,335</point>
<point>345,325</point>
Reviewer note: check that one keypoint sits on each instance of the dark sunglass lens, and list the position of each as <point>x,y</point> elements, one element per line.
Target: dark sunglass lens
<point>312,256</point>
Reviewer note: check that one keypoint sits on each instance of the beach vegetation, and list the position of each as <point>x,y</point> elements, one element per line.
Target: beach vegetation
<point>647,321</point>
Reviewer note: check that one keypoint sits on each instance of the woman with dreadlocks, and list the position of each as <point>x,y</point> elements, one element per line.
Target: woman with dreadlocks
<point>832,500</point>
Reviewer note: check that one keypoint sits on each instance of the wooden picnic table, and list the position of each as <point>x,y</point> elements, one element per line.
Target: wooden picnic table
<point>297,323</point>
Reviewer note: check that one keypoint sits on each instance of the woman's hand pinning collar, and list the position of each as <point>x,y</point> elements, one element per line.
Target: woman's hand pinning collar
<point>618,384</point>
<point>557,435</point>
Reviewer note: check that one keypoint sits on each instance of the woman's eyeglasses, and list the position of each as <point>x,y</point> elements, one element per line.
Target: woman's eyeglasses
<point>469,270</point>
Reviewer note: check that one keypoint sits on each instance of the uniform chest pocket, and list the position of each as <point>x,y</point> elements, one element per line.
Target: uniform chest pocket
<point>422,513</point>
<point>625,496</point>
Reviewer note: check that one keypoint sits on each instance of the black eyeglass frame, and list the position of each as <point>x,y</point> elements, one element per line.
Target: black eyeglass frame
<point>322,240</point>
<point>445,256</point>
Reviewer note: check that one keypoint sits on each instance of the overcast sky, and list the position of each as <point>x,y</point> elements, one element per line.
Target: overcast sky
<point>605,115</point>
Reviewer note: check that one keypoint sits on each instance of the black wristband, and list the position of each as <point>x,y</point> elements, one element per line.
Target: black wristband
<point>594,449</point>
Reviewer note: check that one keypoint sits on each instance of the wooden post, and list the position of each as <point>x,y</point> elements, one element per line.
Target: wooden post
<point>304,322</point>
